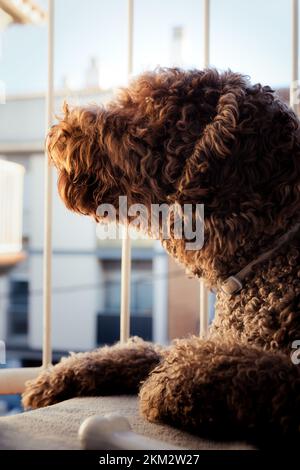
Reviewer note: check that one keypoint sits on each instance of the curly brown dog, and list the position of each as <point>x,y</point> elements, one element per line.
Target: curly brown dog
<point>211,138</point>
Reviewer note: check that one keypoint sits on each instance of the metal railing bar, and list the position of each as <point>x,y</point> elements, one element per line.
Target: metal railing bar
<point>126,242</point>
<point>203,301</point>
<point>47,273</point>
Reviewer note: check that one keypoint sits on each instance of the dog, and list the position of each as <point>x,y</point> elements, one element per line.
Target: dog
<point>189,137</point>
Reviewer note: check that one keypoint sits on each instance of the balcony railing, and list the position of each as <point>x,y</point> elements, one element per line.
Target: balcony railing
<point>12,380</point>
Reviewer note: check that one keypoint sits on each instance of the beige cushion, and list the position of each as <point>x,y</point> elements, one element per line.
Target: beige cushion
<point>56,427</point>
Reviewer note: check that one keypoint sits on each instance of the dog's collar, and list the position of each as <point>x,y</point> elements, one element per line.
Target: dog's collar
<point>234,284</point>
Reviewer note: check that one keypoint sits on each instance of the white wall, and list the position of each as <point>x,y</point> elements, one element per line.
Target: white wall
<point>70,231</point>
<point>74,266</point>
<point>22,119</point>
<point>74,307</point>
<point>3,307</point>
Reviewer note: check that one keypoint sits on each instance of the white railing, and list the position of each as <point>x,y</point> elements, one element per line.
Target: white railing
<point>126,243</point>
<point>47,273</point>
<point>12,380</point>
<point>295,50</point>
<point>203,300</point>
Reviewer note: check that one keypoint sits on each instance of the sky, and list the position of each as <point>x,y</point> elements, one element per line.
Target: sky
<point>248,36</point>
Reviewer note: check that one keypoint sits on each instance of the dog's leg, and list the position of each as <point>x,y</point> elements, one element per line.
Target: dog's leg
<point>225,391</point>
<point>106,371</point>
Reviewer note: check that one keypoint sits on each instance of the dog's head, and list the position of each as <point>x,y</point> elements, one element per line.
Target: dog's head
<point>190,137</point>
<point>75,147</point>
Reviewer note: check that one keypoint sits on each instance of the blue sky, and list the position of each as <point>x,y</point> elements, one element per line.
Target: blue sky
<point>252,37</point>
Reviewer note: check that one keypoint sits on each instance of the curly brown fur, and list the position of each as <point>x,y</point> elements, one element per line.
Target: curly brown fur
<point>118,369</point>
<point>211,138</point>
<point>224,390</point>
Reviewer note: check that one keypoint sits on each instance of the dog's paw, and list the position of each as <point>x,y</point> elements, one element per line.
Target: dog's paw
<point>185,387</point>
<point>152,396</point>
<point>106,371</point>
<point>164,398</point>
<point>51,386</point>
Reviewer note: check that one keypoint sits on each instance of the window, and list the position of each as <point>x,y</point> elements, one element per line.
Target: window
<point>17,314</point>
<point>141,287</point>
<point>108,320</point>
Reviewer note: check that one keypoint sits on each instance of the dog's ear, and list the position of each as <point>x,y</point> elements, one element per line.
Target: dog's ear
<point>245,168</point>
<point>215,144</point>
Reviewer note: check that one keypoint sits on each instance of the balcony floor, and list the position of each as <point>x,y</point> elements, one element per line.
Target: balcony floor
<point>56,427</point>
